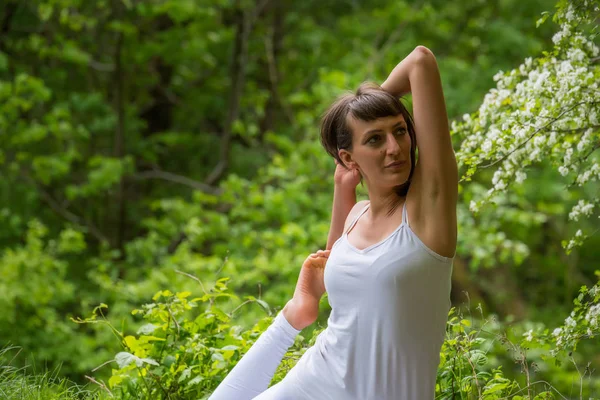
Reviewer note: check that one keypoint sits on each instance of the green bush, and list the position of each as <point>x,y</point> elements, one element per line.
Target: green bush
<point>188,345</point>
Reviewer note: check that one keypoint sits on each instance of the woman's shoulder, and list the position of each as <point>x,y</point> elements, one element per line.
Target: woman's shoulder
<point>356,209</point>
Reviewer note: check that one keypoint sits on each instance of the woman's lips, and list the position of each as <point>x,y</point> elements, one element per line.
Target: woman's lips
<point>397,165</point>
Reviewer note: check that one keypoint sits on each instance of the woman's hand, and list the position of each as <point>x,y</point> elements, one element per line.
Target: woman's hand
<point>345,177</point>
<point>303,309</point>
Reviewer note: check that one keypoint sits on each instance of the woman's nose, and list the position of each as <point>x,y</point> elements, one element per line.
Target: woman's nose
<point>393,146</point>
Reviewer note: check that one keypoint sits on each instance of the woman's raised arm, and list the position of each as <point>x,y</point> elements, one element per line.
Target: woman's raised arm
<point>344,199</point>
<point>435,179</point>
<point>418,74</point>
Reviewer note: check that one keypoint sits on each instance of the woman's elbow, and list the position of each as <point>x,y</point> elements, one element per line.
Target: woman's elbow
<point>423,54</point>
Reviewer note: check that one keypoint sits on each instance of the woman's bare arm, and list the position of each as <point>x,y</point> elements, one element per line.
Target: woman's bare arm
<point>344,198</point>
<point>418,74</point>
<point>435,179</point>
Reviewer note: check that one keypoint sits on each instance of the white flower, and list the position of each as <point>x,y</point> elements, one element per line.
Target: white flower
<point>557,37</point>
<point>569,15</point>
<point>520,176</point>
<point>584,178</point>
<point>499,75</point>
<point>501,185</point>
<point>582,207</point>
<point>539,141</point>
<point>568,154</point>
<point>563,170</point>
<point>593,314</point>
<point>528,335</point>
<point>593,117</point>
<point>486,146</point>
<point>557,332</point>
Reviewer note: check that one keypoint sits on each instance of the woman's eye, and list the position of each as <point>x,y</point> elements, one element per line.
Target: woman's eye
<point>401,131</point>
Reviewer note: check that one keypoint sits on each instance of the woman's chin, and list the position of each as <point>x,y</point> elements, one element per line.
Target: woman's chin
<point>399,176</point>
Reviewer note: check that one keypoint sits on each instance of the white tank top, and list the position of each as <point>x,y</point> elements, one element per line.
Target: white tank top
<point>390,304</point>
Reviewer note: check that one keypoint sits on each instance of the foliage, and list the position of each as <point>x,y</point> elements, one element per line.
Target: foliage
<point>187,347</point>
<point>182,350</point>
<point>111,114</point>
<point>546,109</point>
<point>476,351</point>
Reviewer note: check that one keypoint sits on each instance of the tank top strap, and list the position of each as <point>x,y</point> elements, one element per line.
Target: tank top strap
<point>405,215</point>
<point>355,220</point>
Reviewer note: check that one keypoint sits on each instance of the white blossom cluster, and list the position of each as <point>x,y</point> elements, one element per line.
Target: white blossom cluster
<point>582,207</point>
<point>584,322</point>
<point>564,334</point>
<point>546,109</point>
<point>576,240</point>
<point>571,330</point>
<point>593,315</point>
<point>574,326</point>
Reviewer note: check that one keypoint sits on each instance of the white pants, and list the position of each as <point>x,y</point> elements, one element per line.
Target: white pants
<point>251,377</point>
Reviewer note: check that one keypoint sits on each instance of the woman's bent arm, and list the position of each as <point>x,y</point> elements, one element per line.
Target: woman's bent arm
<point>344,198</point>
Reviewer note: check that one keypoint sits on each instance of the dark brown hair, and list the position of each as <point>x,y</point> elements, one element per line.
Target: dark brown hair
<point>369,103</point>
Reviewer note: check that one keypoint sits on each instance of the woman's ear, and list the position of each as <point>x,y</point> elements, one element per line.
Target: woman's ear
<point>346,158</point>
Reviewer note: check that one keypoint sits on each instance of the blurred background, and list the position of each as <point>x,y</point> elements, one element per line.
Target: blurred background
<point>145,141</point>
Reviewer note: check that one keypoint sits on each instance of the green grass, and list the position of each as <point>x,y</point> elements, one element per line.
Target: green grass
<point>18,384</point>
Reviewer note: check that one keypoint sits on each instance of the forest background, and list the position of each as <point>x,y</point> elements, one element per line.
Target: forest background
<point>163,180</point>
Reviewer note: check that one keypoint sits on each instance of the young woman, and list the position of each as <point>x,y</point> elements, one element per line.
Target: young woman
<point>388,274</point>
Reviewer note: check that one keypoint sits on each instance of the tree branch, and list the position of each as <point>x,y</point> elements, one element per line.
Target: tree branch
<point>102,67</point>
<point>119,138</point>
<point>168,176</point>
<point>581,160</point>
<point>5,23</point>
<point>245,21</point>
<point>577,130</point>
<point>64,212</point>
<point>272,67</point>
<point>553,120</point>
<point>256,13</point>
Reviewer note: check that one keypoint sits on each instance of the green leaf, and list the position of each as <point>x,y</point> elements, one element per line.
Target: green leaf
<point>185,374</point>
<point>543,19</point>
<point>124,358</point>
<point>146,329</point>
<point>195,381</point>
<point>264,305</point>
<point>496,387</point>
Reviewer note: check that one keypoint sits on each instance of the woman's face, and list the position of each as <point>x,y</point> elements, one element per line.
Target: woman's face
<point>376,145</point>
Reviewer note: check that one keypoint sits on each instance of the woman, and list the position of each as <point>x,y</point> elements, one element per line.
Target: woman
<point>388,276</point>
